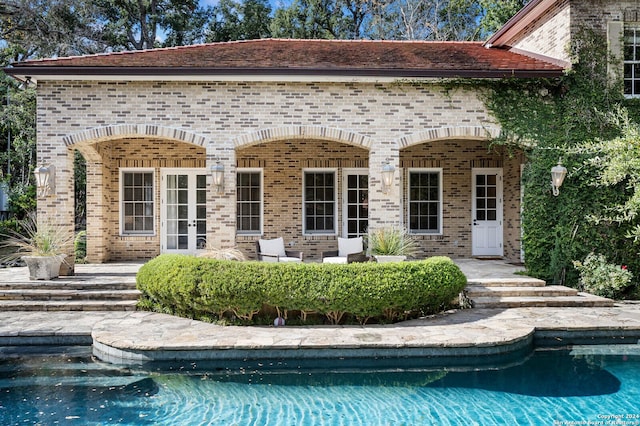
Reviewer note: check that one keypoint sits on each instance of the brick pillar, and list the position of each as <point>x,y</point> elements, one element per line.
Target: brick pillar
<point>58,208</point>
<point>221,206</point>
<point>97,208</point>
<point>385,207</point>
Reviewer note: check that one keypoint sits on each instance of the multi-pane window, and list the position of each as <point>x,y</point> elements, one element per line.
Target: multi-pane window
<point>319,202</point>
<point>137,202</point>
<point>632,61</point>
<point>425,201</point>
<point>249,202</point>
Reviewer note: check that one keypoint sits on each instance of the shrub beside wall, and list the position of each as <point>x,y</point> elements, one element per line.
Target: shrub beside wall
<point>216,289</point>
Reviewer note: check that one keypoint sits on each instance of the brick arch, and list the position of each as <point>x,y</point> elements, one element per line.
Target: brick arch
<point>443,133</point>
<point>119,131</point>
<point>303,132</point>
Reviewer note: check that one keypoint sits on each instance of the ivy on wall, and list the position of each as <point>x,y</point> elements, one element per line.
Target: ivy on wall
<point>570,118</point>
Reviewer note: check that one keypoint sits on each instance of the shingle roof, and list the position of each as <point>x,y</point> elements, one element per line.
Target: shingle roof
<point>304,57</point>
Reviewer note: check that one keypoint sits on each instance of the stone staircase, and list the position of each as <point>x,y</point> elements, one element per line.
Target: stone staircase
<point>114,290</point>
<point>521,291</point>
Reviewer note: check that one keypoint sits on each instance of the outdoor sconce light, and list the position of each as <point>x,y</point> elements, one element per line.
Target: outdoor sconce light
<point>557,177</point>
<point>218,176</point>
<point>387,176</point>
<point>45,180</point>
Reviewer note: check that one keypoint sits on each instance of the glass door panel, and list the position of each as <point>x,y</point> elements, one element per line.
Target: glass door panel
<point>184,222</point>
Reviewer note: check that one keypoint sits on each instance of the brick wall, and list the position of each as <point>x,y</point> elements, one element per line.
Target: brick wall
<point>549,35</point>
<point>289,126</point>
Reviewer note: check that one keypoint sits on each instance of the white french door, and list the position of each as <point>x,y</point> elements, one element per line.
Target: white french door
<point>356,203</point>
<point>183,221</point>
<point>486,229</point>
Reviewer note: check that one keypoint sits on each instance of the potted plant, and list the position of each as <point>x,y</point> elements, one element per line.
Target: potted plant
<point>391,244</point>
<point>42,246</point>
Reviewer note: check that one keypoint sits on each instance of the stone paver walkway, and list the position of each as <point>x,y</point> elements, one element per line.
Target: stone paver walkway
<point>140,337</point>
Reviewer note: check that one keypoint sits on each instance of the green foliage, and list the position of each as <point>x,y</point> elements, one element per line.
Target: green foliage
<point>552,119</point>
<point>198,287</point>
<point>80,246</point>
<point>601,278</point>
<point>240,20</point>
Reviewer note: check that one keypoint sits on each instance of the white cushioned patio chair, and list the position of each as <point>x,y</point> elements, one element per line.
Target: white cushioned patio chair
<point>274,251</point>
<point>349,250</point>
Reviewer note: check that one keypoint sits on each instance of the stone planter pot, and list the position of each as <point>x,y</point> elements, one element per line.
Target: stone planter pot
<point>388,258</point>
<point>43,267</point>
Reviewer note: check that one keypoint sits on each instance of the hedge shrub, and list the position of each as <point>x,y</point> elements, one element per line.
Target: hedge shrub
<point>208,288</point>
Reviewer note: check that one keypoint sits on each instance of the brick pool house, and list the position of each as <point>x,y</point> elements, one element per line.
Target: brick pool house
<point>300,131</point>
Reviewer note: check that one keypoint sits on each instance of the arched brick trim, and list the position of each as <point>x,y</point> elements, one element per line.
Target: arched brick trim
<point>98,134</point>
<point>303,132</point>
<point>441,133</point>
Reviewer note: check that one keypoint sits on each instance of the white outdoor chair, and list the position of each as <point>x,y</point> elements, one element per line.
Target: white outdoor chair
<point>349,250</point>
<point>274,251</point>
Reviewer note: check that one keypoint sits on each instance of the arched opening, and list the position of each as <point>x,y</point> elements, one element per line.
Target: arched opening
<point>306,190</point>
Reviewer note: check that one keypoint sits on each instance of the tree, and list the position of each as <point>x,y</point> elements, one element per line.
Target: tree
<point>42,28</point>
<point>323,19</point>
<point>245,20</point>
<point>139,24</point>
<point>497,12</point>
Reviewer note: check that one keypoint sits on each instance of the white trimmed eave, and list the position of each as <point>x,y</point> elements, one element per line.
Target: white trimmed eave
<point>36,74</point>
<point>223,78</point>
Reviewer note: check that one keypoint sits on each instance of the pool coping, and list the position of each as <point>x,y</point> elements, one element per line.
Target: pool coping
<point>138,338</point>
<point>463,334</point>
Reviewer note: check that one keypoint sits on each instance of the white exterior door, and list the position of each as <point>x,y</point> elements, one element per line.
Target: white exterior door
<point>486,228</point>
<point>183,221</point>
<point>356,203</point>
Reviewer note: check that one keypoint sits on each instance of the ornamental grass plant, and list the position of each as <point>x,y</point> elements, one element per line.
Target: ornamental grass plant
<point>44,238</point>
<point>392,241</point>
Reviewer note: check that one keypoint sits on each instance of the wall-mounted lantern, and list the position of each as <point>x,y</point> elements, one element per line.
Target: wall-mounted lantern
<point>45,180</point>
<point>217,171</point>
<point>558,174</point>
<point>387,176</point>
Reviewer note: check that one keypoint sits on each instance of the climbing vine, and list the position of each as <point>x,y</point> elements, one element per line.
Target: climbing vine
<point>570,119</point>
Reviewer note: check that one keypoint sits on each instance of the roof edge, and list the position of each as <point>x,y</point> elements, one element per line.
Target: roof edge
<point>160,73</point>
<point>533,10</point>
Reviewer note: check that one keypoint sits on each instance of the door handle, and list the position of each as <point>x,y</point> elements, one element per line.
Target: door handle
<point>475,222</point>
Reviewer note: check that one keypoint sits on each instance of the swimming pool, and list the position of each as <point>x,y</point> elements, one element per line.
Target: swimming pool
<point>552,387</point>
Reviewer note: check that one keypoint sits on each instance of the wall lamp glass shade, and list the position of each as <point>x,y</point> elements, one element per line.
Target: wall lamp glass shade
<point>387,176</point>
<point>217,172</point>
<point>45,180</point>
<point>558,174</point>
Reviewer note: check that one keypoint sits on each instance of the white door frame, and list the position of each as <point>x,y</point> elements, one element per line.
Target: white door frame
<point>487,234</point>
<point>192,174</point>
<point>345,195</point>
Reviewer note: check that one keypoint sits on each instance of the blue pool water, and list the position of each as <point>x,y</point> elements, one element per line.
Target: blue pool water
<point>580,386</point>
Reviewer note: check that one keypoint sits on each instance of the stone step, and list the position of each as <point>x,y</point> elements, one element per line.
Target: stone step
<point>68,305</point>
<point>580,300</point>
<point>475,291</point>
<point>46,294</point>
<point>67,285</point>
<point>516,281</point>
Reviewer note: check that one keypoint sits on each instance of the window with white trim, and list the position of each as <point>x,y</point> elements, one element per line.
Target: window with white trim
<point>425,201</point>
<point>138,206</point>
<point>632,61</point>
<point>319,202</point>
<point>249,201</point>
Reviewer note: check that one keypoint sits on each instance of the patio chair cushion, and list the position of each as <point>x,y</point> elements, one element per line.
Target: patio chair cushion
<point>335,259</point>
<point>273,247</point>
<point>347,246</point>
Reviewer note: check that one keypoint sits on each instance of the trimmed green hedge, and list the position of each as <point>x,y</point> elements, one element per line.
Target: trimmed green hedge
<point>208,288</point>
